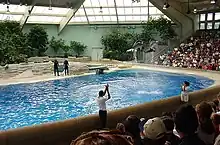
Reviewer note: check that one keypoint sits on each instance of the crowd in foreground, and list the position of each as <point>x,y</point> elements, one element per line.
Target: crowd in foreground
<point>186,126</point>
<point>201,52</point>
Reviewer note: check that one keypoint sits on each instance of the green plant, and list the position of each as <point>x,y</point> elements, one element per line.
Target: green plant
<point>57,47</point>
<point>37,40</point>
<point>13,46</point>
<point>117,43</point>
<point>162,25</point>
<point>78,47</point>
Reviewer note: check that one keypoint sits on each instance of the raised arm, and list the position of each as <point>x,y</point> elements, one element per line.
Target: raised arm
<point>109,96</point>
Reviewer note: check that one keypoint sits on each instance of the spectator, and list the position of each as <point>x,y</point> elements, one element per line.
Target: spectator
<point>155,132</point>
<point>216,122</point>
<point>169,124</point>
<point>131,124</point>
<point>186,122</point>
<point>206,130</point>
<point>103,138</point>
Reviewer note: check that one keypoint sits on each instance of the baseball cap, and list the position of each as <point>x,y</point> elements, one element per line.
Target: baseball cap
<point>154,129</point>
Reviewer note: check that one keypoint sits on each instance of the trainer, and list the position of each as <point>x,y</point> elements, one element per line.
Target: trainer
<point>101,101</point>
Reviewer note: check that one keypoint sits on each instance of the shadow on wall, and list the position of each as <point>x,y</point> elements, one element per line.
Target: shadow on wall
<point>61,133</point>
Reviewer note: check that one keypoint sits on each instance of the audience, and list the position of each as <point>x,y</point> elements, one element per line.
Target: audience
<point>103,138</point>
<point>186,122</point>
<point>169,124</point>
<point>194,126</point>
<point>206,130</point>
<point>202,52</point>
<point>155,132</point>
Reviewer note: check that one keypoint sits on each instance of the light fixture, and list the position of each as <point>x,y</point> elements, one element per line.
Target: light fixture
<point>213,1</point>
<point>8,9</point>
<point>166,6</point>
<point>21,3</point>
<point>101,11</point>
<point>50,5</point>
<point>8,3</point>
<point>3,3</point>
<point>195,10</point>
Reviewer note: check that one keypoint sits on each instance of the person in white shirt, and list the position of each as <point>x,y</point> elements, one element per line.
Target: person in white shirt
<point>101,101</point>
<point>185,92</point>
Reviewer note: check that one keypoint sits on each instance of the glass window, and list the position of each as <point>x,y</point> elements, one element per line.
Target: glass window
<point>120,2</point>
<point>87,3</point>
<point>144,10</point>
<point>136,11</point>
<point>202,25</point>
<point>89,11</point>
<point>13,8</point>
<point>95,3</point>
<point>121,11</point>
<point>79,19</point>
<point>121,18</point>
<point>103,3</point>
<point>217,16</point>
<point>10,17</point>
<point>54,10</point>
<point>129,18</point>
<point>99,18</point>
<point>112,11</point>
<point>154,10</point>
<point>92,18</point>
<point>150,4</point>
<point>128,11</point>
<point>210,16</point>
<point>209,25</point>
<point>113,18</point>
<point>137,18</point>
<point>111,3</point>
<point>44,19</point>
<point>144,3</point>
<point>80,12</point>
<point>202,17</point>
<point>144,18</point>
<point>217,25</point>
<point>107,18</point>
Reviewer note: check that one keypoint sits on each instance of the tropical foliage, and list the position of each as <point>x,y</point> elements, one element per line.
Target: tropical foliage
<point>117,43</point>
<point>77,47</point>
<point>37,40</point>
<point>12,43</point>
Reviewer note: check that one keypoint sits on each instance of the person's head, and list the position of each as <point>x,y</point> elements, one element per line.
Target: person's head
<point>103,138</point>
<point>204,111</point>
<point>131,124</point>
<point>101,93</point>
<point>155,131</point>
<point>186,120</point>
<point>215,119</point>
<point>169,123</point>
<point>186,83</point>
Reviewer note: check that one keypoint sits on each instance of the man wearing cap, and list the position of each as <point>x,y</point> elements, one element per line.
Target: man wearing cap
<point>154,132</point>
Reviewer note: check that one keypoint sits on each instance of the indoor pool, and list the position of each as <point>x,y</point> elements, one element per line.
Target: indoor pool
<point>36,103</point>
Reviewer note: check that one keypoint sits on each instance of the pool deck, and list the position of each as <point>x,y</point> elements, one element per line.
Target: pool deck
<point>28,77</point>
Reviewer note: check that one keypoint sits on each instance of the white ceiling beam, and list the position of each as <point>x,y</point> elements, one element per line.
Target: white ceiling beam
<point>69,16</point>
<point>27,13</point>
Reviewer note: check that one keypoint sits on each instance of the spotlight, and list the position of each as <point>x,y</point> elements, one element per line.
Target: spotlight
<point>8,9</point>
<point>101,11</point>
<point>213,1</point>
<point>166,6</point>
<point>195,10</point>
<point>21,4</point>
<point>3,3</point>
<point>50,8</point>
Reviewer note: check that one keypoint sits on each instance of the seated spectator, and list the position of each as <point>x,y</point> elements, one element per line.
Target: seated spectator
<point>169,124</point>
<point>131,124</point>
<point>206,130</point>
<point>155,132</point>
<point>103,138</point>
<point>216,122</point>
<point>186,122</point>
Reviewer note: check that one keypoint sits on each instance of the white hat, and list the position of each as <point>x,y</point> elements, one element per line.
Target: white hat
<point>154,129</point>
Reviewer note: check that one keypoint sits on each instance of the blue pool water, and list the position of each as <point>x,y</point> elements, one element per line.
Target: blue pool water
<point>29,104</point>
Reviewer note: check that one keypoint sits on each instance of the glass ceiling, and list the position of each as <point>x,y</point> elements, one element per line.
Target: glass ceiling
<point>91,12</point>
